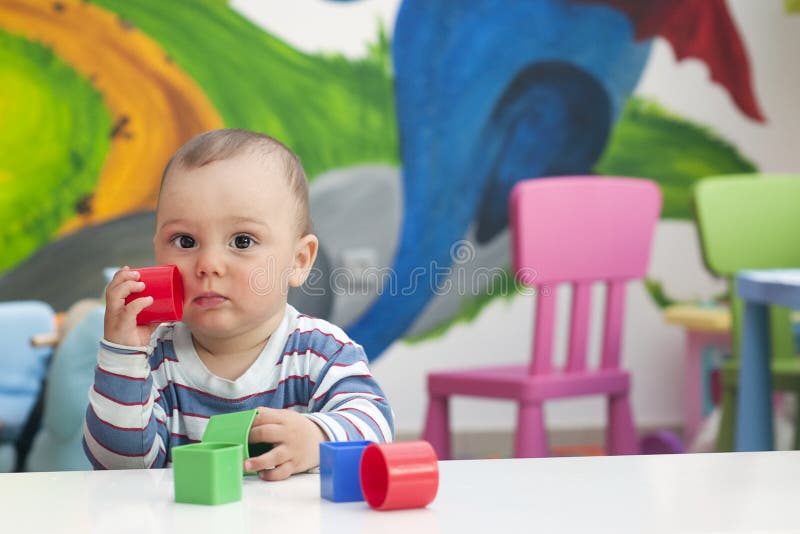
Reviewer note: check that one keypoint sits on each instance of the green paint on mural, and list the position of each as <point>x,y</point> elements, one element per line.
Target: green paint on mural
<point>650,142</point>
<point>54,131</point>
<point>656,290</point>
<point>334,112</point>
<point>792,6</point>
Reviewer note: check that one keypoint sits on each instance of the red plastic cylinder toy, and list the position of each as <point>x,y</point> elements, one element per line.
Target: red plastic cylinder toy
<point>399,475</point>
<point>165,284</point>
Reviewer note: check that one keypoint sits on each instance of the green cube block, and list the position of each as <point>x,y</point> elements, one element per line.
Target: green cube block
<point>235,428</point>
<point>208,473</point>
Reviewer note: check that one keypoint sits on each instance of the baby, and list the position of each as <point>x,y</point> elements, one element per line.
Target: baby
<point>233,215</point>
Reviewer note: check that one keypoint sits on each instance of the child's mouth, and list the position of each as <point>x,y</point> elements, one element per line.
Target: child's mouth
<point>209,300</point>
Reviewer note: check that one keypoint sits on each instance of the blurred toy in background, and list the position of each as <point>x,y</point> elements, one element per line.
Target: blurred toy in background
<point>47,370</point>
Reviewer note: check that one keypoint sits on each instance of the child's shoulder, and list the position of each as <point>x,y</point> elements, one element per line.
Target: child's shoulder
<point>321,336</point>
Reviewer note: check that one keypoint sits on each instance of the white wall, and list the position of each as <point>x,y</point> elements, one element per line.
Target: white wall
<point>653,351</point>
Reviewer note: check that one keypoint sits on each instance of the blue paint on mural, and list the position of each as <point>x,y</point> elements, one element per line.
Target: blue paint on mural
<point>490,92</point>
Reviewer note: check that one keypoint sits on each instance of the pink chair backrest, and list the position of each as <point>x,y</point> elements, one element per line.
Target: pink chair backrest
<point>580,230</point>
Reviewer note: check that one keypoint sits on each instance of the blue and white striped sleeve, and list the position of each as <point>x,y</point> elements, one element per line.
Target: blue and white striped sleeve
<point>120,430</point>
<point>347,402</point>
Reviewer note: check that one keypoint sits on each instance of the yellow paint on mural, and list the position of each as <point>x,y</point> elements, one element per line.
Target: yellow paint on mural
<point>156,107</point>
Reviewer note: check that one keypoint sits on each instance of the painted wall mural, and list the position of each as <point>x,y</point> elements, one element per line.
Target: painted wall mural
<point>411,151</point>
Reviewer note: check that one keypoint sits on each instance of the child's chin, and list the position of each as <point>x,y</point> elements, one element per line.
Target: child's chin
<point>215,326</point>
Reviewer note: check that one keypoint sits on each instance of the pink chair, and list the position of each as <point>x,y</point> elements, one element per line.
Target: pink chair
<point>571,230</point>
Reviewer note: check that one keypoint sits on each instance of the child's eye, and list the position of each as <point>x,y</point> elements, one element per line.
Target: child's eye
<point>243,241</point>
<point>183,241</point>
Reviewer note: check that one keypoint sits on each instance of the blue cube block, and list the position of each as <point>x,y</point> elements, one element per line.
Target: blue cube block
<point>338,469</point>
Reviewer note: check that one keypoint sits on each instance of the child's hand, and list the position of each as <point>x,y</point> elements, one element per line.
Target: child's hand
<point>120,325</point>
<point>296,442</point>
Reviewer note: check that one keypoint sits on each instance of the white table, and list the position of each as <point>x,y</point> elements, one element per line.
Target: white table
<point>731,492</point>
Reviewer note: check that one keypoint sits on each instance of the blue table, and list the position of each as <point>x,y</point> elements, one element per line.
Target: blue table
<point>759,289</point>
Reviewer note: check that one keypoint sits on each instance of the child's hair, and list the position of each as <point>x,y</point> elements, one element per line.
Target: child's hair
<point>227,143</point>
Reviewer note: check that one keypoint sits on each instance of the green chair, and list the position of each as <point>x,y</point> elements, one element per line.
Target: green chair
<point>752,222</point>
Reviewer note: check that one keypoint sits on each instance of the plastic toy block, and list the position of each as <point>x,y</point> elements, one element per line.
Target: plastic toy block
<point>399,475</point>
<point>208,473</point>
<point>338,468</point>
<point>165,284</point>
<point>235,428</point>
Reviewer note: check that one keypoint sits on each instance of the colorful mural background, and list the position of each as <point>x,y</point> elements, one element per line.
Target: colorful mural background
<point>411,150</point>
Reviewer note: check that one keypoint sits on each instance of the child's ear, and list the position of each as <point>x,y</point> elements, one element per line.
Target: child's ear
<point>304,255</point>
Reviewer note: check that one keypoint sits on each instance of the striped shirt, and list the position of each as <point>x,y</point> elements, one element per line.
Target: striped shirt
<point>146,400</point>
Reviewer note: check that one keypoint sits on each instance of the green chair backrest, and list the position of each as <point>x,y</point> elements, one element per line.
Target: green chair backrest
<point>751,221</point>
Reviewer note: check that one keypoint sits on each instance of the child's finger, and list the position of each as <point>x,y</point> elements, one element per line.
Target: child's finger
<point>267,433</point>
<point>123,275</point>
<point>266,416</point>
<point>269,460</point>
<point>122,290</point>
<point>282,472</point>
<point>135,306</point>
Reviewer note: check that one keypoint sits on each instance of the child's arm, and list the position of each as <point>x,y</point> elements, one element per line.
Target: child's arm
<point>346,404</point>
<point>121,430</point>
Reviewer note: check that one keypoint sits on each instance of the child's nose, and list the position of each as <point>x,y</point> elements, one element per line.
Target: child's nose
<point>210,263</point>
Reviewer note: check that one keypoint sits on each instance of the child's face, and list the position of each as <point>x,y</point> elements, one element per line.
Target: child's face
<point>230,227</point>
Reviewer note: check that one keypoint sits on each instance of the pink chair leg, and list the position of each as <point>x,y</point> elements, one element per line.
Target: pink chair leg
<point>693,382</point>
<point>621,434</point>
<point>531,438</point>
<point>437,426</point>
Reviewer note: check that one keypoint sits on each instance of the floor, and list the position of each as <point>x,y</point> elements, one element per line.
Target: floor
<point>474,445</point>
